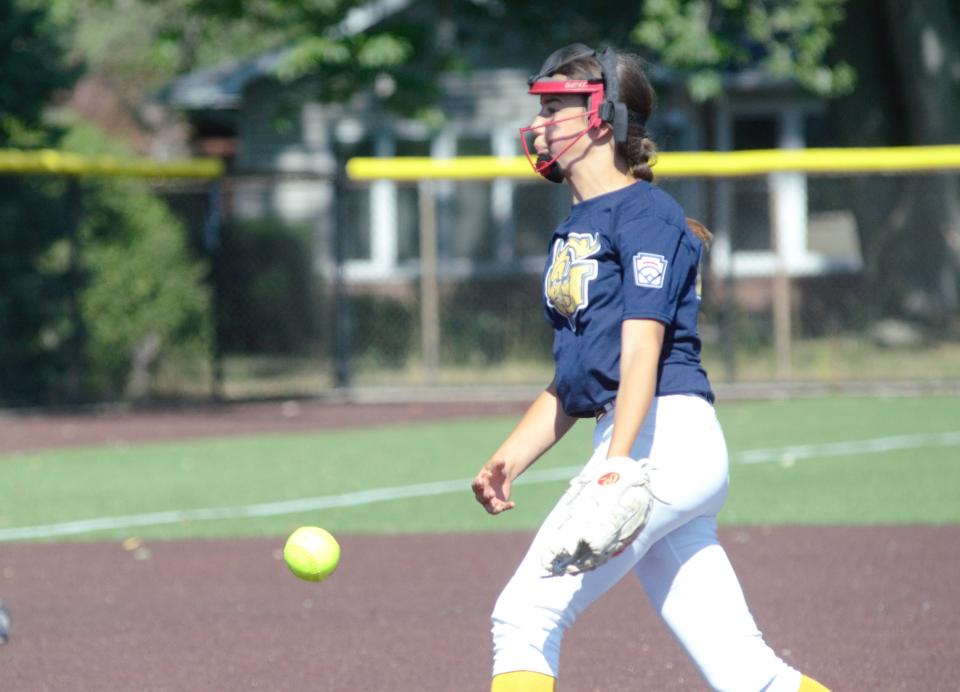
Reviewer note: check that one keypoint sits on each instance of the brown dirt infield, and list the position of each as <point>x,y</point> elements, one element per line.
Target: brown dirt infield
<point>863,609</point>
<point>871,608</point>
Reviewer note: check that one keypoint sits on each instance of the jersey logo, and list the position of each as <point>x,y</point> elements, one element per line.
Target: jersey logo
<point>568,279</point>
<point>649,270</point>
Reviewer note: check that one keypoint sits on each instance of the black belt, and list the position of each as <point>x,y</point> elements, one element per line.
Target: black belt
<point>604,410</point>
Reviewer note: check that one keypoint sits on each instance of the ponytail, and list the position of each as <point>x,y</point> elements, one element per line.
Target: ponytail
<point>701,231</point>
<point>640,152</point>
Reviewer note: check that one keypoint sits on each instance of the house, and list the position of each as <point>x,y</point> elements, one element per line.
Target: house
<point>284,148</point>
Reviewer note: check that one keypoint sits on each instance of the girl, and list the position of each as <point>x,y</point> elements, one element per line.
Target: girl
<point>621,291</point>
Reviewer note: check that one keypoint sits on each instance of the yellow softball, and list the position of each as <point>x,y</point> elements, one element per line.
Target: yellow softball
<point>311,553</point>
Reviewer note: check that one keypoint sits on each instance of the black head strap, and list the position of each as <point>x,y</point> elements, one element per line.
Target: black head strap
<point>613,110</point>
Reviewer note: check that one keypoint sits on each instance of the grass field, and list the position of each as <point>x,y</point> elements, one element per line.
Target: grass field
<point>806,461</point>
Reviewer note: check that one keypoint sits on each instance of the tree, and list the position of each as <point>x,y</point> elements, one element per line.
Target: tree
<point>907,57</point>
<point>34,64</point>
<point>787,39</point>
<point>926,43</point>
<point>892,72</point>
<point>137,46</point>
<point>94,275</point>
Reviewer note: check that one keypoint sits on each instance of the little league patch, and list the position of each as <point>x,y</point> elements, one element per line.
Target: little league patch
<point>649,270</point>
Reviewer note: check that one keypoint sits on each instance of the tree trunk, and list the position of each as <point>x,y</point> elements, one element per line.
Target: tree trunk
<point>908,92</point>
<point>926,43</point>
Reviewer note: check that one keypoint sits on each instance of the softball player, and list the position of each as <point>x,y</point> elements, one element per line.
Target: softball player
<point>621,292</point>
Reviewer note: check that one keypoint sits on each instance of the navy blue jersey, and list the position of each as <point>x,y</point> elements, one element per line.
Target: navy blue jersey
<point>622,255</point>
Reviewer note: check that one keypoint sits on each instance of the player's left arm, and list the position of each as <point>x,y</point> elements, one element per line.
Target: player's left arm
<point>650,303</point>
<point>641,343</point>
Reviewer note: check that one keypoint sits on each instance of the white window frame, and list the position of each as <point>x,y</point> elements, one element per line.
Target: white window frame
<point>788,199</point>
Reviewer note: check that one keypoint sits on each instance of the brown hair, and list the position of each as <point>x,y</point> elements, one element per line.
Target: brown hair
<point>639,151</point>
<point>701,231</point>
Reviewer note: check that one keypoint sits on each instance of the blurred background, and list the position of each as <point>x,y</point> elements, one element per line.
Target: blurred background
<point>282,277</point>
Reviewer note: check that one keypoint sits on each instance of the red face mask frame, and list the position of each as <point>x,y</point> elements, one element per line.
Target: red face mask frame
<point>593,88</point>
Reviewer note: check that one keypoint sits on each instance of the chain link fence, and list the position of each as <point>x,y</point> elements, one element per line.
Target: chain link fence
<point>829,279</point>
<point>309,285</point>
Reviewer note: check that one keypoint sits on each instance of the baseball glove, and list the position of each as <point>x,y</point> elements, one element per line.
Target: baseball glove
<point>601,513</point>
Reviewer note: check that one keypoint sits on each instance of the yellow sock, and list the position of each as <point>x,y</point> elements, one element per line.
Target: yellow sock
<point>810,685</point>
<point>522,681</point>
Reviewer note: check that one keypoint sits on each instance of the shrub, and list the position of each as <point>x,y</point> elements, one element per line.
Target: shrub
<point>381,331</point>
<point>144,303</point>
<point>265,288</point>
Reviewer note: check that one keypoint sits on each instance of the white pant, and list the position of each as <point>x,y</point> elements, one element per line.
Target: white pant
<point>680,563</point>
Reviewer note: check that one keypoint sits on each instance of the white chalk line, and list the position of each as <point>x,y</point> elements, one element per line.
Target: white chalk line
<point>533,477</point>
<point>849,448</point>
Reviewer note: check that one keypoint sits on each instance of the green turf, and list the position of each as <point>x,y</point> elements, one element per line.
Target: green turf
<point>906,486</point>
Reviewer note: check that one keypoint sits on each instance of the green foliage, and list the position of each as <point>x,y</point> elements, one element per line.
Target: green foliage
<point>312,51</point>
<point>481,323</point>
<point>140,45</point>
<point>383,52</point>
<point>476,337</point>
<point>32,293</point>
<point>145,43</point>
<point>145,303</point>
<point>381,331</point>
<point>96,279</point>
<point>264,285</point>
<point>33,63</point>
<point>487,322</point>
<point>787,39</point>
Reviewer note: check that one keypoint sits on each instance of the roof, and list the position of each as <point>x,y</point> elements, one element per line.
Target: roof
<point>220,87</point>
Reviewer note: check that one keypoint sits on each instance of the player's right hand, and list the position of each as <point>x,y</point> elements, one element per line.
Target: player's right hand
<point>491,487</point>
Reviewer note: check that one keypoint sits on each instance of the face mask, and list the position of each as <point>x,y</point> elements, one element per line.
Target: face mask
<point>548,167</point>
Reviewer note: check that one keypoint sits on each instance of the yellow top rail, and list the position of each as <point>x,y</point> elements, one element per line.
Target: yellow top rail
<point>668,165</point>
<point>720,164</point>
<point>52,162</point>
